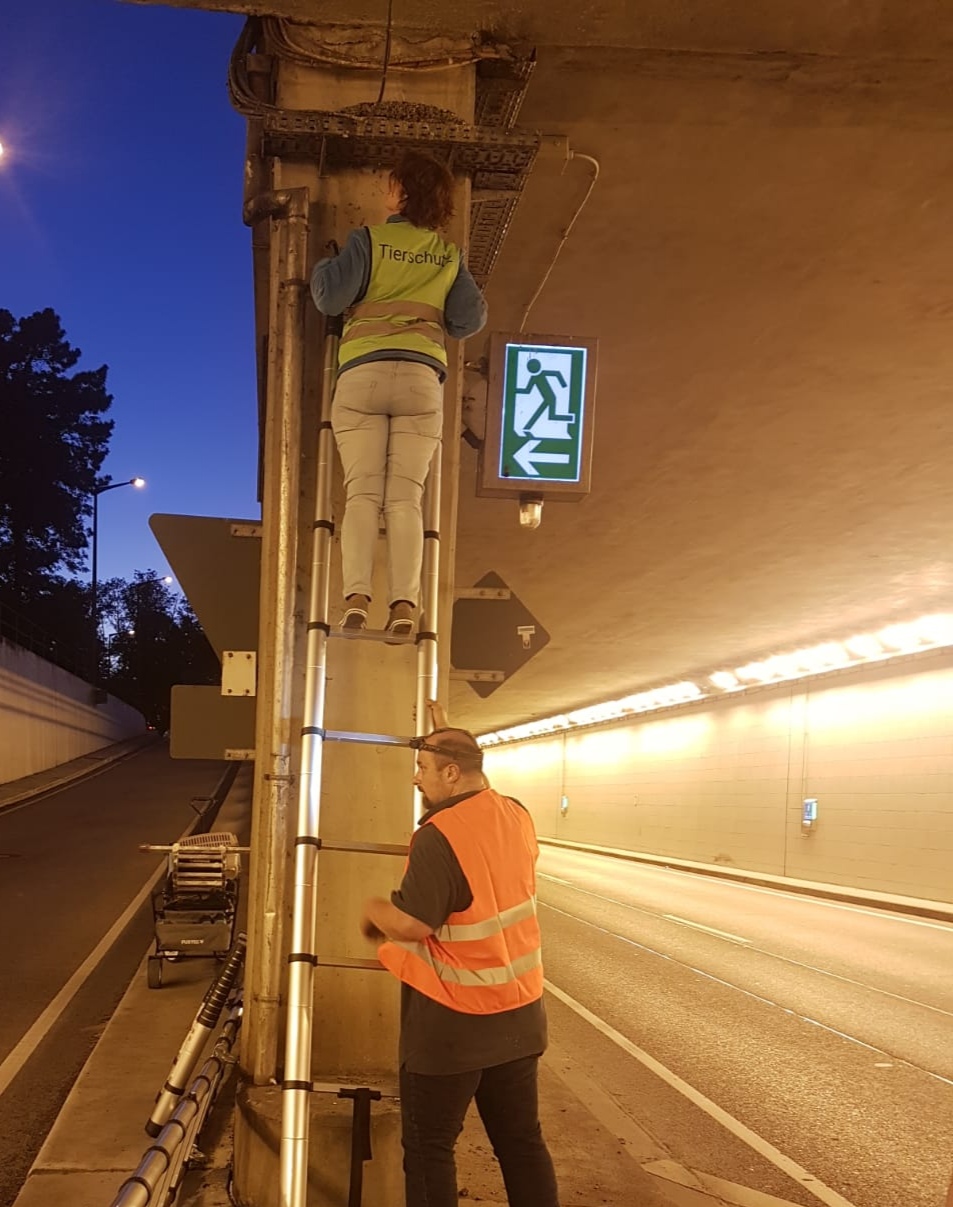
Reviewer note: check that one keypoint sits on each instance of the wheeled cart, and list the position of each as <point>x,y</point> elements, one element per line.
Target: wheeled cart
<point>194,908</point>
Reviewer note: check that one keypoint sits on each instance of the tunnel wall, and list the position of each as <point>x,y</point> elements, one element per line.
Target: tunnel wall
<point>47,717</point>
<point>723,782</point>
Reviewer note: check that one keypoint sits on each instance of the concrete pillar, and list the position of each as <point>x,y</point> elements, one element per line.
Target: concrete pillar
<point>367,792</point>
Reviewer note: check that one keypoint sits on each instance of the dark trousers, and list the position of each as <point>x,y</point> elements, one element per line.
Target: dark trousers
<point>432,1113</point>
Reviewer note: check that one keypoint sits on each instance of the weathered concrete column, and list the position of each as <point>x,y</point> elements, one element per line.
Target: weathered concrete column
<point>278,716</point>
<point>367,795</point>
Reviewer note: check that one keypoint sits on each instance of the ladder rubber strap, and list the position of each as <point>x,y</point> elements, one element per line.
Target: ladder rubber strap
<point>325,425</point>
<point>314,729</point>
<point>328,524</point>
<point>296,1085</point>
<point>319,625</point>
<point>182,1128</point>
<point>303,957</point>
<point>425,636</point>
<point>431,534</point>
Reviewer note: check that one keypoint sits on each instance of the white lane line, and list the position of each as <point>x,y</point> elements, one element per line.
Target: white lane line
<point>724,934</point>
<point>763,1147</point>
<point>38,1032</point>
<point>871,911</point>
<point>774,955</point>
<point>756,997</point>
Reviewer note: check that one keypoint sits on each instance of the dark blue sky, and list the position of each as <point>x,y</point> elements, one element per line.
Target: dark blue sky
<point>120,207</point>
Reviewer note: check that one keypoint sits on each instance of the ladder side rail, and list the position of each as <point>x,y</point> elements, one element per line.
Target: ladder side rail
<point>427,657</point>
<point>302,959</point>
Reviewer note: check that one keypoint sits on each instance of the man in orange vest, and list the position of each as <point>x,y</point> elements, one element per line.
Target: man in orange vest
<point>461,935</point>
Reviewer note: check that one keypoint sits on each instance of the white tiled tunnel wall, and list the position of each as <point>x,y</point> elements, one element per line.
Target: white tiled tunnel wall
<point>723,782</point>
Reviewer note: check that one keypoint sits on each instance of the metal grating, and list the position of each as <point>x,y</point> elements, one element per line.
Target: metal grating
<point>500,88</point>
<point>498,159</point>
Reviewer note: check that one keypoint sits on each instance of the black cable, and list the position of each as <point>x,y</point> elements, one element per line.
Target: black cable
<point>390,21</point>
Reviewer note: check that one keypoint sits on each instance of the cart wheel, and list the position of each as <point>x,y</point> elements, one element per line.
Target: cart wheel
<point>154,972</point>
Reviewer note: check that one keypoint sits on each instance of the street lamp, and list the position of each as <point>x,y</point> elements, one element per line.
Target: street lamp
<point>97,491</point>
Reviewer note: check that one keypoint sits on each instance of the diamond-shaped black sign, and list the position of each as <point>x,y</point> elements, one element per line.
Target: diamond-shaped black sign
<point>493,635</point>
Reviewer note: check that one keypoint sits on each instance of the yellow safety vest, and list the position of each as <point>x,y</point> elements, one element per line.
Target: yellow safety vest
<point>486,959</point>
<point>412,271</point>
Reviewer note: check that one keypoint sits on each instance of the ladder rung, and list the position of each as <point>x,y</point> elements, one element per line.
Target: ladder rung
<point>478,676</point>
<point>371,848</point>
<point>367,739</point>
<point>374,635</point>
<point>349,962</point>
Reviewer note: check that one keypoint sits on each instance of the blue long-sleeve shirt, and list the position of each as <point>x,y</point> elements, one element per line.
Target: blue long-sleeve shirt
<point>339,281</point>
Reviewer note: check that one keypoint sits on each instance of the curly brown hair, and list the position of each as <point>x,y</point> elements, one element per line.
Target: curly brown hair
<point>428,189</point>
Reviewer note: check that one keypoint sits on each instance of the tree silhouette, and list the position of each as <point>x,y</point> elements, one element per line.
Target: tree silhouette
<point>54,441</point>
<point>152,642</point>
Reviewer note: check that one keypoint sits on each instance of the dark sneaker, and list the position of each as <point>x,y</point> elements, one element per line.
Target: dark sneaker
<point>355,612</point>
<point>401,619</point>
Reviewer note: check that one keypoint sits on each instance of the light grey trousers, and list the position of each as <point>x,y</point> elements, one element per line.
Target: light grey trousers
<point>387,417</point>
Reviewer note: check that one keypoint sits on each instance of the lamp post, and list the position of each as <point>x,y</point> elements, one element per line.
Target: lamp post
<point>94,585</point>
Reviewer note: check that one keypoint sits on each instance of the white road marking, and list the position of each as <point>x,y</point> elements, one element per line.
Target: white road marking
<point>38,1032</point>
<point>763,1147</point>
<point>765,1001</point>
<point>723,934</point>
<point>648,1152</point>
<point>774,955</point>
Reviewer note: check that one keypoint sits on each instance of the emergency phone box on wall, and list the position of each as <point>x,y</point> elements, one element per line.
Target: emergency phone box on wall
<point>539,417</point>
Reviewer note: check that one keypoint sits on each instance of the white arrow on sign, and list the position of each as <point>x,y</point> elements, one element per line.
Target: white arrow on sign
<point>527,458</point>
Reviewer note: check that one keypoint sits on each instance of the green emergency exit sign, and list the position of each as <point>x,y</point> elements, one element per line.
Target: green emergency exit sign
<point>539,416</point>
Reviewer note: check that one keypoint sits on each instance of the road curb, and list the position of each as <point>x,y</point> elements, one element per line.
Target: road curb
<point>922,907</point>
<point>113,754</point>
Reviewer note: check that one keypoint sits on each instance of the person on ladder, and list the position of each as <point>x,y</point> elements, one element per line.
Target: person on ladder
<point>461,935</point>
<point>403,289</point>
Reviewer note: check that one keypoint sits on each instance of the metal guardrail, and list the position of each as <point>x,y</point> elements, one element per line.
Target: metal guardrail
<point>157,1178</point>
<point>188,1056</point>
<point>21,631</point>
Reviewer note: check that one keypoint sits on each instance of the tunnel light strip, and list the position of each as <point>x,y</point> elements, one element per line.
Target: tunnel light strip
<point>894,641</point>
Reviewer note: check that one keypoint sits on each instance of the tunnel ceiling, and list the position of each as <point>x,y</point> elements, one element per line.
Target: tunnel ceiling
<point>892,28</point>
<point>767,261</point>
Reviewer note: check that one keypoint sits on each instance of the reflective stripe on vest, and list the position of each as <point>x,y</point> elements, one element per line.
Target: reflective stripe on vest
<point>475,976</point>
<point>492,926</point>
<point>485,959</point>
<point>412,271</point>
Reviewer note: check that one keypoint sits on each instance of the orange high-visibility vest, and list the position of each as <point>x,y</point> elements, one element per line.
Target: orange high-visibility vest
<point>487,958</point>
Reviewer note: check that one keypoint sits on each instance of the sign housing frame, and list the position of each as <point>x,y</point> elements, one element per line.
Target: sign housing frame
<point>491,483</point>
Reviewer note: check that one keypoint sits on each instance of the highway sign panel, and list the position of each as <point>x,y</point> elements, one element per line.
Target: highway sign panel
<point>494,636</point>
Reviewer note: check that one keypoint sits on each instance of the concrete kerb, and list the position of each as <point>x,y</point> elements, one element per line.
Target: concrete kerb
<point>43,783</point>
<point>940,910</point>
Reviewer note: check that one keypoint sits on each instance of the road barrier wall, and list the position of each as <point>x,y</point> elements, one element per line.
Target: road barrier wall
<point>48,716</point>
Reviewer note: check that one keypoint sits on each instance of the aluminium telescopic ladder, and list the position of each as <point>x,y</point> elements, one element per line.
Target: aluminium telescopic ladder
<point>297,1084</point>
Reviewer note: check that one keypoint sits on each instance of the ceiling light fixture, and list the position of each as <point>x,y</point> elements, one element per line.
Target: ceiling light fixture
<point>894,641</point>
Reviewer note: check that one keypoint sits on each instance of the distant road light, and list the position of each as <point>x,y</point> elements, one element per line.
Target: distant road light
<point>1,150</point>
<point>138,482</point>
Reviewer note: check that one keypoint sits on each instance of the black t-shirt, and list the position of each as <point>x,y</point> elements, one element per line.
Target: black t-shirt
<point>433,1038</point>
